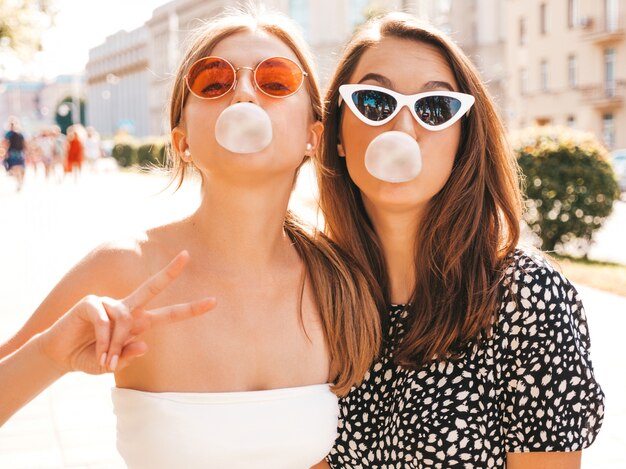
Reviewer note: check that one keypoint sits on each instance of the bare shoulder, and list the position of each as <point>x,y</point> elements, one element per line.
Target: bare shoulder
<point>110,268</point>
<point>117,267</point>
<point>114,269</point>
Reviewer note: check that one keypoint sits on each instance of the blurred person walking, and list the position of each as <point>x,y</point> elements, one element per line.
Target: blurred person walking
<point>75,152</point>
<point>93,149</point>
<point>59,152</point>
<point>14,145</point>
<point>45,143</point>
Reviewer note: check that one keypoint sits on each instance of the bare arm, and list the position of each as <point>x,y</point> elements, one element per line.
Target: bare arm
<point>23,375</point>
<point>570,460</point>
<point>321,465</point>
<point>103,272</point>
<point>96,336</point>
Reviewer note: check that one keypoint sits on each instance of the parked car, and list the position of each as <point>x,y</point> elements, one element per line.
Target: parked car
<point>618,158</point>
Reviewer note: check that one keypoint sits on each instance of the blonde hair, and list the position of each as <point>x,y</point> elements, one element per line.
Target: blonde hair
<point>348,312</point>
<point>469,227</point>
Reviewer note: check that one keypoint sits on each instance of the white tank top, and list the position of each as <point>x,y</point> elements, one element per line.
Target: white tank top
<point>289,428</point>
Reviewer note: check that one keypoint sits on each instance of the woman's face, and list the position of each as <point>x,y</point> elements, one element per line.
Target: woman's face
<point>291,117</point>
<point>408,67</point>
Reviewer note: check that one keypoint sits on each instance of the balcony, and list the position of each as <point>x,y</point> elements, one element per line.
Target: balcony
<point>605,97</point>
<point>602,35</point>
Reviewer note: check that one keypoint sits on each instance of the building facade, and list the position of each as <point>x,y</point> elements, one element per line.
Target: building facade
<point>566,65</point>
<point>118,80</point>
<point>36,103</point>
<point>117,73</point>
<point>544,61</point>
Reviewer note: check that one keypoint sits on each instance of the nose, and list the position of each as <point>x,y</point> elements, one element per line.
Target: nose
<point>245,90</point>
<point>404,122</point>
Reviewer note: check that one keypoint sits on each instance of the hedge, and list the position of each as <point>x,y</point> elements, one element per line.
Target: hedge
<point>570,184</point>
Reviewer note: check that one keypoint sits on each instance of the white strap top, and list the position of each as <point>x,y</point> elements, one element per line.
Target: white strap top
<point>289,428</point>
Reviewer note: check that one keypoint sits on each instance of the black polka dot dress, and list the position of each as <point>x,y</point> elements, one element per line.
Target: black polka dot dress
<point>527,387</point>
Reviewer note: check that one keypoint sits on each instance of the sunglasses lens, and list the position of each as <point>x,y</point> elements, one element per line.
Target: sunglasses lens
<point>437,110</point>
<point>278,77</point>
<point>210,77</point>
<point>374,105</point>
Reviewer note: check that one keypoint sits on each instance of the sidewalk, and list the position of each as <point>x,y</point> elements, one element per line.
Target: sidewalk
<point>48,228</point>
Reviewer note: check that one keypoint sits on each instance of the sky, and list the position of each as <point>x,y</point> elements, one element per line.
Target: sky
<point>81,25</point>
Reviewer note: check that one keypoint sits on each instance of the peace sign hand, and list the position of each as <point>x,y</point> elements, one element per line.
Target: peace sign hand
<point>99,334</point>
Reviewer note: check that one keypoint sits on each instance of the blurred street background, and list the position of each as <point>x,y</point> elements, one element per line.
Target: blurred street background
<point>86,84</point>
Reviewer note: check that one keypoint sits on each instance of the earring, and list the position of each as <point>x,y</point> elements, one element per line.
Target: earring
<point>309,147</point>
<point>187,156</point>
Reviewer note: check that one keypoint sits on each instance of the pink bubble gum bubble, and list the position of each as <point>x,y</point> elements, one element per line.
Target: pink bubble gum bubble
<point>393,157</point>
<point>243,128</point>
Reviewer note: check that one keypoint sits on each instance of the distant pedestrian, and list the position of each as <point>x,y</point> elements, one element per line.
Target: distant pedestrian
<point>45,145</point>
<point>59,152</point>
<point>15,145</point>
<point>75,152</point>
<point>93,149</point>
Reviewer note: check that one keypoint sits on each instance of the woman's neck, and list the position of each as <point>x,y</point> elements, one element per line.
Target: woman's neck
<point>241,226</point>
<point>397,231</point>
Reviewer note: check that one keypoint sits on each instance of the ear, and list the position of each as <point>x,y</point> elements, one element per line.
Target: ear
<point>314,137</point>
<point>179,142</point>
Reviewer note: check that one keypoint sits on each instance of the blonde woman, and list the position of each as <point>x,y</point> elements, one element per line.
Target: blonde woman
<point>248,384</point>
<point>486,360</point>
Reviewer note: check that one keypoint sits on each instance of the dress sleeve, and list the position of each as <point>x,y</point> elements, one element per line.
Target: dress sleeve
<point>552,401</point>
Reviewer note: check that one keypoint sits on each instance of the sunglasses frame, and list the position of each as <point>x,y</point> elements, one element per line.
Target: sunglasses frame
<point>253,70</point>
<point>346,92</point>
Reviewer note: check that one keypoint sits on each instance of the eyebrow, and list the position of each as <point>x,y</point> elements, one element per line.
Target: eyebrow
<point>431,85</point>
<point>383,80</point>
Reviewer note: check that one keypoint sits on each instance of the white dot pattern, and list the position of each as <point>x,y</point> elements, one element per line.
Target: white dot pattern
<point>529,386</point>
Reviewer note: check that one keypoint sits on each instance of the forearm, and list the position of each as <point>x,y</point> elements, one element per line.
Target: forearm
<point>23,375</point>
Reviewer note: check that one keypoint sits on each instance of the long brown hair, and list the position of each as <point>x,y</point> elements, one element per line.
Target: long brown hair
<point>469,227</point>
<point>348,312</point>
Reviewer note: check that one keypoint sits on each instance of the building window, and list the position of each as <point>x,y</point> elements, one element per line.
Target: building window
<point>299,12</point>
<point>523,81</point>
<point>571,122</point>
<point>608,130</point>
<point>610,14</point>
<point>543,19</point>
<point>358,10</point>
<point>522,31</point>
<point>609,72</point>
<point>571,71</point>
<point>572,13</point>
<point>544,79</point>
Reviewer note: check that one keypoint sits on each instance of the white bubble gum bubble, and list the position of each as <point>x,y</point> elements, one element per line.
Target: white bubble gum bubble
<point>243,128</point>
<point>393,157</point>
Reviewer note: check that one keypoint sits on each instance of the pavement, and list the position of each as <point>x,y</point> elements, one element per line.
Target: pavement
<point>49,226</point>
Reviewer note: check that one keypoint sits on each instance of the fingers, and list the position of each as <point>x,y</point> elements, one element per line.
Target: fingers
<point>95,313</point>
<point>173,313</point>
<point>122,322</point>
<point>131,351</point>
<point>127,324</point>
<point>157,283</point>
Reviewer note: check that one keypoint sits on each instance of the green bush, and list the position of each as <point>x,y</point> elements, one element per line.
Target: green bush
<point>125,153</point>
<point>149,154</point>
<point>129,152</point>
<point>570,184</point>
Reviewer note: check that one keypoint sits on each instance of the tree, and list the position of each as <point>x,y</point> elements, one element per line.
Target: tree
<point>64,115</point>
<point>21,25</point>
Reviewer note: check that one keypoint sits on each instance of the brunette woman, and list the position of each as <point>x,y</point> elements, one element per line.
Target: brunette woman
<point>486,360</point>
